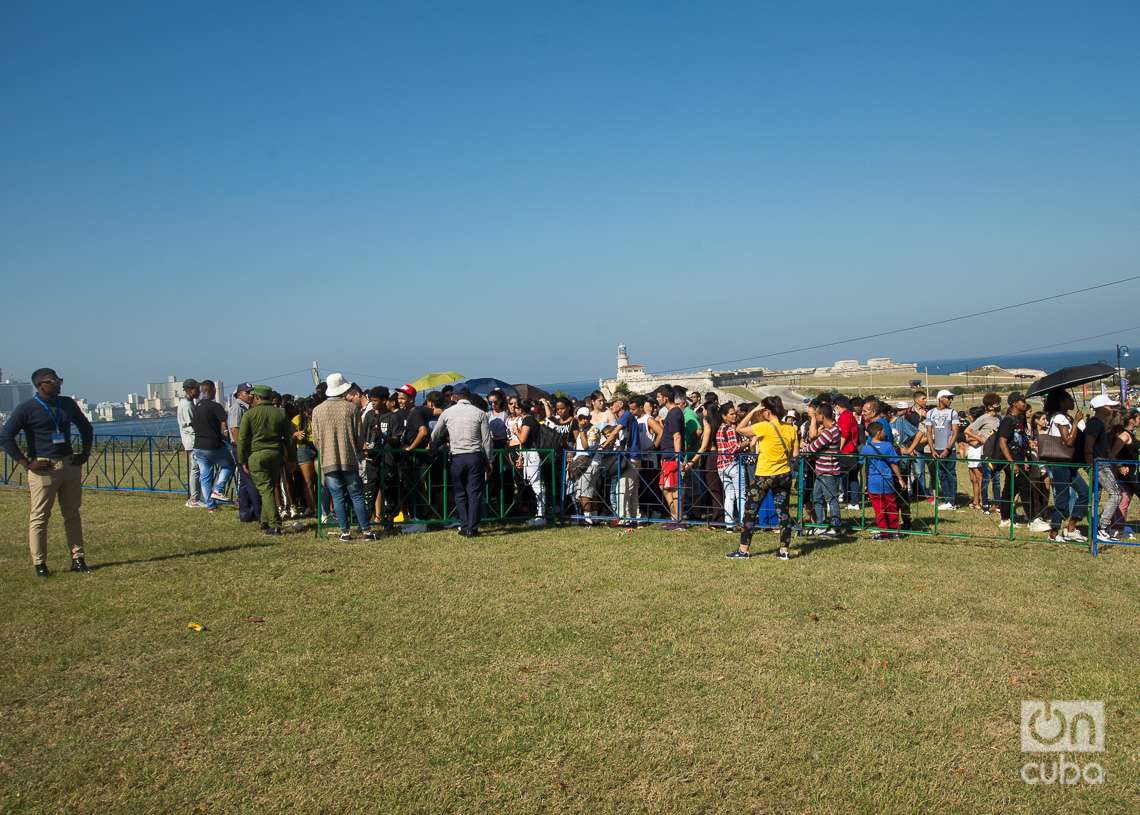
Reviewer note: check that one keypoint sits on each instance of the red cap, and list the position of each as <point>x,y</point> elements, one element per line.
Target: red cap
<point>407,390</point>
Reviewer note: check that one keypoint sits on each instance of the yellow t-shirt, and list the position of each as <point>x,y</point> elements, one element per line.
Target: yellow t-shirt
<point>770,456</point>
<point>296,420</point>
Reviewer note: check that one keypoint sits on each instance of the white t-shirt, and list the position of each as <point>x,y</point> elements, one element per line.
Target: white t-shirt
<point>942,422</point>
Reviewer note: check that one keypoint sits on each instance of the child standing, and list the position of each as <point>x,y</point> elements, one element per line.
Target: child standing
<point>882,471</point>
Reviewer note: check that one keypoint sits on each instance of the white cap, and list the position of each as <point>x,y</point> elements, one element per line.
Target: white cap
<point>1103,400</point>
<point>583,411</point>
<point>902,405</point>
<point>945,392</point>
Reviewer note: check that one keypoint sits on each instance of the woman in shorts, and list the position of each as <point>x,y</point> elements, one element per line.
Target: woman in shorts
<point>981,474</point>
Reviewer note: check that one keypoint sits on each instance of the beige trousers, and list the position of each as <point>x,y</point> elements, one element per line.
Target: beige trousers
<point>64,480</point>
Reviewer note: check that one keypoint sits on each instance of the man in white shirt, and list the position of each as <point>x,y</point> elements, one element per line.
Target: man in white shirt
<point>941,425</point>
<point>185,414</point>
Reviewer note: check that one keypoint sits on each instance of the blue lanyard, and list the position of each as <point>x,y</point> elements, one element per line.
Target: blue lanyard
<point>50,413</point>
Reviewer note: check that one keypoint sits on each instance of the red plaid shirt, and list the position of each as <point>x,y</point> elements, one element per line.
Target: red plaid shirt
<point>727,445</point>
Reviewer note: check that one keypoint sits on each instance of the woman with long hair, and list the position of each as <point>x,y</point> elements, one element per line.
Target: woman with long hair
<point>306,452</point>
<point>1070,491</point>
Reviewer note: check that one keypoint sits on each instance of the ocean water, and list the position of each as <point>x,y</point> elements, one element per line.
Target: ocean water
<point>1047,362</point>
<point>1043,361</point>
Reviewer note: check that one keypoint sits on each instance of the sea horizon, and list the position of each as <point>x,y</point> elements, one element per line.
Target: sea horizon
<point>579,388</point>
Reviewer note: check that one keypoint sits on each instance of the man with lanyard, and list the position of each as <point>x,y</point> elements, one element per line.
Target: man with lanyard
<point>54,469</point>
<point>468,433</point>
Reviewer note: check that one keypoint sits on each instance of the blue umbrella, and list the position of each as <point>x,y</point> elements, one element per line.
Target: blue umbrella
<point>486,384</point>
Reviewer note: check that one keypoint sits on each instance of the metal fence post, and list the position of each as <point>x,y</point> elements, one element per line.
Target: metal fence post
<point>150,460</point>
<point>1094,509</point>
<point>800,497</point>
<point>319,511</point>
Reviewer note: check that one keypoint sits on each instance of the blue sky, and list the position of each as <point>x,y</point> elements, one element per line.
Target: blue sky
<point>510,190</point>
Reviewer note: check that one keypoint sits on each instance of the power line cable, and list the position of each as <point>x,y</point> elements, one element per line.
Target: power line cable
<point>931,324</point>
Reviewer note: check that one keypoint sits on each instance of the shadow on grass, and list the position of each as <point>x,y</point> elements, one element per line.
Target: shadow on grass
<point>215,550</point>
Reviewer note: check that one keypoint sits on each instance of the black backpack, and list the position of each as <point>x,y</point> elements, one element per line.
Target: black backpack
<point>990,448</point>
<point>547,438</point>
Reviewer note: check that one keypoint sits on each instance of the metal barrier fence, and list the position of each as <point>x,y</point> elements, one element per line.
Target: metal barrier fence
<point>417,487</point>
<point>622,489</point>
<point>1012,501</point>
<point>130,463</point>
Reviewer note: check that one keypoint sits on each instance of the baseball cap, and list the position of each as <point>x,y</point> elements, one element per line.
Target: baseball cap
<point>187,384</point>
<point>1014,398</point>
<point>407,390</point>
<point>244,386</point>
<point>946,393</point>
<point>1103,400</point>
<point>264,391</point>
<point>902,405</point>
<point>582,411</point>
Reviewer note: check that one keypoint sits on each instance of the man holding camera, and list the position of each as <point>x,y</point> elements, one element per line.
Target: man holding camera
<point>54,469</point>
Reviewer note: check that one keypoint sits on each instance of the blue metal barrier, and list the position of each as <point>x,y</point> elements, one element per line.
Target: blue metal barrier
<point>124,463</point>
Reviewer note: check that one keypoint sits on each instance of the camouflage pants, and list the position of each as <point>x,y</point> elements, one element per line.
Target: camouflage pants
<point>779,486</point>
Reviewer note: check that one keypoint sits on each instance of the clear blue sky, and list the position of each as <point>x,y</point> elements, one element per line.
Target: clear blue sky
<point>511,189</point>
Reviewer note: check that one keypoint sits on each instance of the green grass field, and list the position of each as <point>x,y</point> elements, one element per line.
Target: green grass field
<point>558,670</point>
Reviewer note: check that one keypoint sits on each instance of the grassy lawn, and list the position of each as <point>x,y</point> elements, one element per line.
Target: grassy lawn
<point>580,670</point>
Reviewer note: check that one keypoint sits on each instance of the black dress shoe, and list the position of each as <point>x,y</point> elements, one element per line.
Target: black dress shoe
<point>271,530</point>
<point>42,570</point>
<point>80,565</point>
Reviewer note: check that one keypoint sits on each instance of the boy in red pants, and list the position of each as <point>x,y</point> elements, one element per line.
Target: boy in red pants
<point>882,459</point>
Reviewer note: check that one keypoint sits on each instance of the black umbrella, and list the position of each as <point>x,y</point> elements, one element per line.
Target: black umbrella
<point>1071,376</point>
<point>531,392</point>
<point>486,384</point>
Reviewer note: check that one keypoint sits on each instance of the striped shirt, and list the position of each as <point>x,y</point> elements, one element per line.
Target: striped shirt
<point>727,445</point>
<point>825,446</point>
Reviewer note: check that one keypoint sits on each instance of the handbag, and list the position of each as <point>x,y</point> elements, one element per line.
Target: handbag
<point>1052,448</point>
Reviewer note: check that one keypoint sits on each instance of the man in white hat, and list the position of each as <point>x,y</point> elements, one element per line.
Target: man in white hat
<point>941,426</point>
<point>1102,446</point>
<point>336,434</point>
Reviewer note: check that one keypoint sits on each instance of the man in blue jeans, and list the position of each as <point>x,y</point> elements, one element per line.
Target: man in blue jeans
<point>337,436</point>
<point>208,422</point>
<point>941,427</point>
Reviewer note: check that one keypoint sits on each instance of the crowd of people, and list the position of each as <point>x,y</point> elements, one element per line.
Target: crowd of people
<point>670,456</point>
<point>373,457</point>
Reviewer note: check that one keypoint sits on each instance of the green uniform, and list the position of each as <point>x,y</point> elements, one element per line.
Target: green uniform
<point>263,443</point>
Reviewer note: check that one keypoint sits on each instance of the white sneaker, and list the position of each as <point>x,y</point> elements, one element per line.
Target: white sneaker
<point>946,505</point>
<point>192,504</point>
<point>539,521</point>
<point>1039,525</point>
<point>1004,524</point>
<point>1105,537</point>
<point>854,507</point>
<point>1075,536</point>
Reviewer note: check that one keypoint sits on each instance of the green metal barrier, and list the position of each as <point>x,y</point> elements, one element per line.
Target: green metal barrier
<point>1031,496</point>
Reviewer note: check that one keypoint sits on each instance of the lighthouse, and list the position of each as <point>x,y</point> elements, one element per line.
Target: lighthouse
<point>623,357</point>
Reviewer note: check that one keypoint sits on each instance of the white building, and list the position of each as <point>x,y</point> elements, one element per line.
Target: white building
<point>109,412</point>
